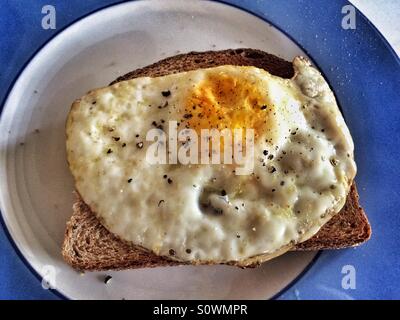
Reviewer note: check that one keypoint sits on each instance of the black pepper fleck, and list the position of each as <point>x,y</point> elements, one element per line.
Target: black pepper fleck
<point>166,93</point>
<point>271,169</point>
<point>223,193</point>
<point>139,145</point>
<point>188,251</point>
<point>107,279</point>
<point>172,252</point>
<point>129,180</point>
<point>109,151</point>
<point>169,180</point>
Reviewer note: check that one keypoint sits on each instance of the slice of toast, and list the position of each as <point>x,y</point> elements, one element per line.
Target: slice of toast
<point>89,246</point>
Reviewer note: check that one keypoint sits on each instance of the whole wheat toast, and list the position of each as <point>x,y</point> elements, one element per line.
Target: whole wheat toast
<point>89,246</point>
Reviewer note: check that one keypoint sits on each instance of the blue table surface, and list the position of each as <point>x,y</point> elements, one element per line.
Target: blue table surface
<point>364,73</point>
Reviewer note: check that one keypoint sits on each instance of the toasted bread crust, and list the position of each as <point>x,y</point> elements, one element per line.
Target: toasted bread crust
<point>89,246</point>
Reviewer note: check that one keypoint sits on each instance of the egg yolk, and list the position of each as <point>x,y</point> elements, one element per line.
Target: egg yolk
<point>223,101</point>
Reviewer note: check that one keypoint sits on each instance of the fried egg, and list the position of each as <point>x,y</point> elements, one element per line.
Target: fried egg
<point>301,171</point>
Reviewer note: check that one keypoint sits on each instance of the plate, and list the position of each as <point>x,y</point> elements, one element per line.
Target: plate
<point>37,191</point>
<point>36,186</point>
